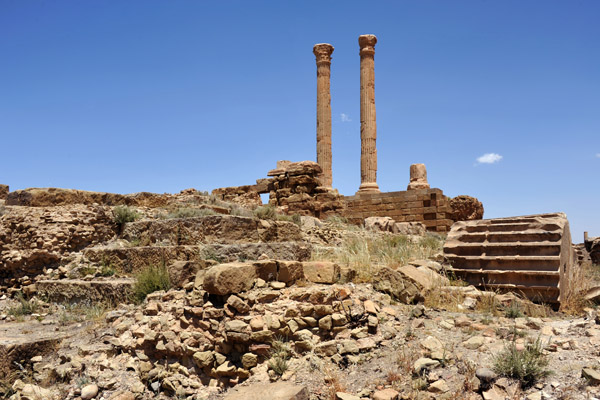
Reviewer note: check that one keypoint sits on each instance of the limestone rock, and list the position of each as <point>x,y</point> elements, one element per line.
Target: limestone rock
<point>485,375</point>
<point>439,386</point>
<point>124,395</point>
<point>396,285</point>
<point>465,208</point>
<point>34,392</point>
<point>422,277</point>
<point>410,228</point>
<point>229,278</point>
<point>181,272</point>
<point>424,363</point>
<point>592,375</point>
<point>385,394</point>
<point>271,391</point>
<point>380,224</point>
<point>345,396</point>
<point>89,392</point>
<point>321,271</point>
<point>474,342</point>
<point>289,271</point>
<point>204,359</point>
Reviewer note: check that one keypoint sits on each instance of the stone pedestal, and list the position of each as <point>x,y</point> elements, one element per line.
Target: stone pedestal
<point>418,177</point>
<point>368,124</point>
<point>322,53</point>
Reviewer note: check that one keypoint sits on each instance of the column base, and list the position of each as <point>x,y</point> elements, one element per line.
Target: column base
<point>368,187</point>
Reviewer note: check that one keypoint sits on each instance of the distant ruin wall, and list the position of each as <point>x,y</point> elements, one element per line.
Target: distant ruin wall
<point>3,192</point>
<point>428,206</point>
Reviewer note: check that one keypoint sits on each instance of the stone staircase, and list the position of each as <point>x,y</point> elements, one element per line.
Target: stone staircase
<point>184,245</point>
<point>531,255</point>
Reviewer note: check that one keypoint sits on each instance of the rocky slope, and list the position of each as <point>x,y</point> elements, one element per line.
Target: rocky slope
<point>269,307</point>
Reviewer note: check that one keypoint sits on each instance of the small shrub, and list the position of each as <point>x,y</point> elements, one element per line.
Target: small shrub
<point>151,279</point>
<point>240,211</point>
<point>265,212</point>
<point>527,366</point>
<point>210,254</point>
<point>513,311</point>
<point>295,218</point>
<point>190,213</point>
<point>124,214</point>
<point>83,270</point>
<point>107,269</point>
<point>280,354</point>
<point>84,311</point>
<point>25,307</point>
<point>488,303</point>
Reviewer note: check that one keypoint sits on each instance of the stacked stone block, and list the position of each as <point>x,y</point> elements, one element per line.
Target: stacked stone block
<point>428,206</point>
<point>296,188</point>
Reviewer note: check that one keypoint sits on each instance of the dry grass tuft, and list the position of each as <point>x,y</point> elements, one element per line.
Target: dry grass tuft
<point>367,253</point>
<point>332,380</point>
<point>580,282</point>
<point>444,300</point>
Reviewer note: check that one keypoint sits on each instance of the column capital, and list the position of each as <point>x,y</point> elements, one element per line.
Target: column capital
<point>367,44</point>
<point>323,52</point>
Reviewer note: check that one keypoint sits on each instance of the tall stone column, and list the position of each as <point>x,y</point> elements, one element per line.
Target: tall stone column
<point>368,124</point>
<point>322,53</point>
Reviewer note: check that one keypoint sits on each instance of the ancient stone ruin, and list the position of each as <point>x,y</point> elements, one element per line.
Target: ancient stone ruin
<point>531,254</point>
<point>221,297</point>
<point>305,188</point>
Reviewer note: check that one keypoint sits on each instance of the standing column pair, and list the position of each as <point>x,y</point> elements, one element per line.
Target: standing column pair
<point>368,125</point>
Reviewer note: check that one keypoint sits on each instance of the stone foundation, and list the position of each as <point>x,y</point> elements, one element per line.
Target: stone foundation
<point>428,206</point>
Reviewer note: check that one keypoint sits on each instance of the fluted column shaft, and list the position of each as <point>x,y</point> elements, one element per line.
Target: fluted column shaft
<point>322,53</point>
<point>368,124</point>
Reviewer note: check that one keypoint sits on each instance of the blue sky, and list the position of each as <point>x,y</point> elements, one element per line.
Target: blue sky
<point>127,96</point>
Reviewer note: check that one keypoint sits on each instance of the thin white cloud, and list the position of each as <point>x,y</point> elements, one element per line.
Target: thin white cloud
<point>489,158</point>
<point>345,117</point>
<point>598,155</point>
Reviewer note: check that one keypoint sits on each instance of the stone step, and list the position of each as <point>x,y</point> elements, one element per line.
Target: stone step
<point>93,291</point>
<point>504,249</point>
<point>132,259</point>
<point>539,294</point>
<point>511,227</point>
<point>515,262</point>
<point>525,278</point>
<point>532,235</point>
<point>226,229</point>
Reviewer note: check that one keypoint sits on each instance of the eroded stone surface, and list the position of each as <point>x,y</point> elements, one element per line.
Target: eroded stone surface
<point>418,177</point>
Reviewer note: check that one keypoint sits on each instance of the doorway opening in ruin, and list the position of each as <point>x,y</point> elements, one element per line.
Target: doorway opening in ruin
<point>264,197</point>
